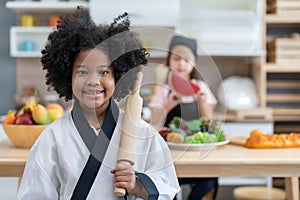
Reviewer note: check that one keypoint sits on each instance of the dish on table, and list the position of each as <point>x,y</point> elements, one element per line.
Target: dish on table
<point>186,146</point>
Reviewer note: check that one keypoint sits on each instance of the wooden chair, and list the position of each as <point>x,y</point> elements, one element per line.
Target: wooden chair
<point>258,193</point>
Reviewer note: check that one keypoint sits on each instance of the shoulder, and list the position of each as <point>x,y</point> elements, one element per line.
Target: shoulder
<point>201,83</point>
<point>54,132</point>
<point>204,87</point>
<point>161,73</point>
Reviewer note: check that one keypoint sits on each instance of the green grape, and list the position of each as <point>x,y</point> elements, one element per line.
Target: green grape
<point>189,139</point>
<point>176,121</point>
<point>198,137</point>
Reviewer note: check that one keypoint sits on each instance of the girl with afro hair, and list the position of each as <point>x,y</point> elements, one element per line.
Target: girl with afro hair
<point>76,156</point>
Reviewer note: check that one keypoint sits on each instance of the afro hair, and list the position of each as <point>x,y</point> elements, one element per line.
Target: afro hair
<point>75,32</point>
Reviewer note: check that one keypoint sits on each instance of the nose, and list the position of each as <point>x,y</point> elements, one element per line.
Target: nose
<point>182,63</point>
<point>94,79</point>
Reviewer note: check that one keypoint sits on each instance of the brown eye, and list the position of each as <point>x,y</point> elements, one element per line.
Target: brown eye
<point>103,72</point>
<point>82,72</point>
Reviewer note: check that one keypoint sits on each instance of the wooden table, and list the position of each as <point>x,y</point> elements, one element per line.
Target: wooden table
<point>233,160</point>
<point>227,160</point>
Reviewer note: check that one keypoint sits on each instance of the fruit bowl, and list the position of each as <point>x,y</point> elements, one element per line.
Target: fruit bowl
<point>23,136</point>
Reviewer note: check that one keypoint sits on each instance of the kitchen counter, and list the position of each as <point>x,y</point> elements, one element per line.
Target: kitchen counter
<point>226,160</point>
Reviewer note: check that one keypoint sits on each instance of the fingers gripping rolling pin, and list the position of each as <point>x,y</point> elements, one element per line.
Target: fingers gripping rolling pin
<point>132,116</point>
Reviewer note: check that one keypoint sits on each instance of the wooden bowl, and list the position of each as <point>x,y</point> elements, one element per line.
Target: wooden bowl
<point>23,136</point>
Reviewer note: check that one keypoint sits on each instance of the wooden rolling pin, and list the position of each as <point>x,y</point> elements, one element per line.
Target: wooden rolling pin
<point>132,116</point>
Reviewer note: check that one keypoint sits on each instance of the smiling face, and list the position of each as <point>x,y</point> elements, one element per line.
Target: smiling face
<point>182,60</point>
<point>93,82</point>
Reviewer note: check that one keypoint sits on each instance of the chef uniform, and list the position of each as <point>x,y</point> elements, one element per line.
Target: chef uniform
<point>61,153</point>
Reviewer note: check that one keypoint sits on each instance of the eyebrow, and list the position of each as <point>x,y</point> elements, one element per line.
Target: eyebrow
<point>86,66</point>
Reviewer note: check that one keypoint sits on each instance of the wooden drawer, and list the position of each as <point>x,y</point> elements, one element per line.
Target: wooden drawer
<point>284,7</point>
<point>283,95</point>
<point>285,51</point>
<point>255,114</point>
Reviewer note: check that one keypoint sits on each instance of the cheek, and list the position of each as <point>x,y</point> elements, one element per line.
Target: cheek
<point>190,68</point>
<point>77,84</point>
<point>108,83</point>
<point>173,64</point>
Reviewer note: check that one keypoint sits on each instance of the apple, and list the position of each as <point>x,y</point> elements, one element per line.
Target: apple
<point>24,119</point>
<point>164,132</point>
<point>55,114</point>
<point>29,106</point>
<point>40,114</point>
<point>55,106</point>
<point>55,111</point>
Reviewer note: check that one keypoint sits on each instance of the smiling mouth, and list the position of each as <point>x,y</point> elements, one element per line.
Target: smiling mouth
<point>93,93</point>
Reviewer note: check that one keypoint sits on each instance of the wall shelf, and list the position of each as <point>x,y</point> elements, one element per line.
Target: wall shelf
<point>280,68</point>
<point>37,7</point>
<point>36,35</point>
<point>227,28</point>
<point>282,19</point>
<point>147,13</point>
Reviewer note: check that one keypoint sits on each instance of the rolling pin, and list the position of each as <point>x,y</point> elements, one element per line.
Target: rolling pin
<point>132,116</point>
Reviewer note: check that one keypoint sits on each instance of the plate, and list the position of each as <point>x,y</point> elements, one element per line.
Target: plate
<point>185,146</point>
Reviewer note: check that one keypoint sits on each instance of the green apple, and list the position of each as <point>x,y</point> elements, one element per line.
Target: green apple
<point>40,114</point>
<point>55,111</point>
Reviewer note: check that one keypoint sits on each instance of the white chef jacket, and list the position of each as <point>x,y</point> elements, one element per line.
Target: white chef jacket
<point>59,155</point>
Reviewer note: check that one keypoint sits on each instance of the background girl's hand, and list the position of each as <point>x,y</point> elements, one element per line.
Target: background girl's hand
<point>124,177</point>
<point>201,97</point>
<point>172,101</point>
<point>204,107</point>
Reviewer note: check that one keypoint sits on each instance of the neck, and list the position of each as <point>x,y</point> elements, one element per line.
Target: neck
<point>96,116</point>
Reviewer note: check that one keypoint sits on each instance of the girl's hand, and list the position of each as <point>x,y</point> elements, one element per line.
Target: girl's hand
<point>201,97</point>
<point>205,109</point>
<point>124,177</point>
<point>172,102</point>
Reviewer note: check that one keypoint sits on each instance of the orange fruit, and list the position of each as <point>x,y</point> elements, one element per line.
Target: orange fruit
<point>10,118</point>
<point>175,137</point>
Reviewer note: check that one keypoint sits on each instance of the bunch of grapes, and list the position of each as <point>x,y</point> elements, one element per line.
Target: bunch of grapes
<point>196,131</point>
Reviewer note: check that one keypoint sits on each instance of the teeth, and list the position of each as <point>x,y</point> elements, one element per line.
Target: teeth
<point>93,92</point>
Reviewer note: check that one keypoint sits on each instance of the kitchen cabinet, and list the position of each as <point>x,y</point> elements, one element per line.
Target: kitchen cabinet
<point>280,68</point>
<point>142,13</point>
<point>224,28</point>
<point>36,35</point>
<point>232,31</point>
<point>155,20</point>
<point>227,28</point>
<point>148,20</point>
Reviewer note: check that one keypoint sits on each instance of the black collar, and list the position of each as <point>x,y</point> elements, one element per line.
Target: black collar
<point>97,145</point>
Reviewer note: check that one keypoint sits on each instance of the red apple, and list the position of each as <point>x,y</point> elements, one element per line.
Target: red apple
<point>24,119</point>
<point>164,132</point>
